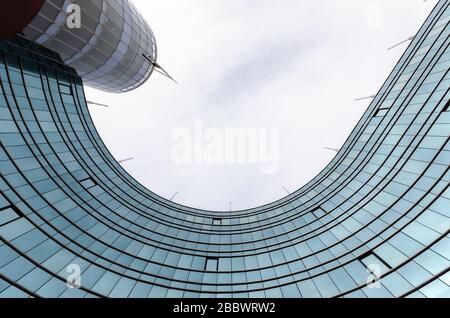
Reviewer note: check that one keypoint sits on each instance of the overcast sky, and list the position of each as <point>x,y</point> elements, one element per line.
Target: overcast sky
<point>295,65</point>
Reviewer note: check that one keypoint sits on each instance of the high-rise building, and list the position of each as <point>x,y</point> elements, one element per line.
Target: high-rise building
<point>374,223</point>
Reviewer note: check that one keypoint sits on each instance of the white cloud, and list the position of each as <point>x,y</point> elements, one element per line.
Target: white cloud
<point>293,64</point>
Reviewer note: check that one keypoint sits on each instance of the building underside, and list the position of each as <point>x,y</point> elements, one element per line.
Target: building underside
<point>105,50</point>
<point>379,211</point>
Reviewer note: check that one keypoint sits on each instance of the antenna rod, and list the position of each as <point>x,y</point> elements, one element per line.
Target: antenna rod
<point>97,104</point>
<point>159,68</point>
<point>332,149</point>
<point>398,44</point>
<point>364,98</point>
<point>287,191</point>
<point>173,196</point>
<point>125,160</point>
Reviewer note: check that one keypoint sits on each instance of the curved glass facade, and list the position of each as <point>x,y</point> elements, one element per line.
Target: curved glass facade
<point>106,50</point>
<point>374,223</point>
